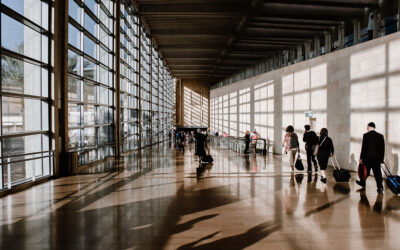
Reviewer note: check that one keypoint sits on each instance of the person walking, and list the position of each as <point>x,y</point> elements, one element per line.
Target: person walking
<point>247,142</point>
<point>291,144</point>
<point>311,139</point>
<point>325,150</point>
<point>373,155</point>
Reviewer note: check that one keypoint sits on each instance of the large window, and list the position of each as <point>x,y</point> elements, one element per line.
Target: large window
<point>154,97</point>
<point>129,86</point>
<point>145,87</point>
<point>26,113</point>
<point>91,79</point>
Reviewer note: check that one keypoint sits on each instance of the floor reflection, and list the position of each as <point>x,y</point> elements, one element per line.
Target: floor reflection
<point>161,199</point>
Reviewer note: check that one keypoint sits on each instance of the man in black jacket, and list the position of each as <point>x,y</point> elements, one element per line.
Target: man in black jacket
<point>311,139</point>
<point>373,154</point>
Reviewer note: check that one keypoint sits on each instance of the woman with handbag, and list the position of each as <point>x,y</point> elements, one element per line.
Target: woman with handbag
<point>291,144</point>
<point>324,150</point>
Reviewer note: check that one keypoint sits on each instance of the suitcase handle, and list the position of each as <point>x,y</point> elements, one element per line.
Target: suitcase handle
<point>384,171</point>
<point>335,166</point>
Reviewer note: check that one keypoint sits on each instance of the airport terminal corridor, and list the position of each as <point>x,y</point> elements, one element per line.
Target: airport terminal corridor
<point>156,199</point>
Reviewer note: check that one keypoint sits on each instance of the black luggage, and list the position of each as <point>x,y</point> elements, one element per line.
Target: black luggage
<point>340,175</point>
<point>207,158</point>
<point>392,181</point>
<point>362,172</point>
<point>299,164</point>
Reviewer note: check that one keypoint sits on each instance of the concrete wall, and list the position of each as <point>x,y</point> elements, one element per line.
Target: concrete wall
<point>192,103</point>
<point>345,90</point>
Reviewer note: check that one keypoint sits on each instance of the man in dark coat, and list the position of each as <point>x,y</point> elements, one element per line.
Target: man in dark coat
<point>373,154</point>
<point>311,139</point>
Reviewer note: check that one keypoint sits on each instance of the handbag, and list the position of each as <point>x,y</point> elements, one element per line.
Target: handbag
<point>316,148</point>
<point>299,164</point>
<point>362,172</point>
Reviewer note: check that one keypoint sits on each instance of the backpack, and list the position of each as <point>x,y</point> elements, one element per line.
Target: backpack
<point>314,138</point>
<point>294,141</point>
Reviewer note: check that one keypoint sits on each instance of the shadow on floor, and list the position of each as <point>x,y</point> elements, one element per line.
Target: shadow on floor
<point>239,241</point>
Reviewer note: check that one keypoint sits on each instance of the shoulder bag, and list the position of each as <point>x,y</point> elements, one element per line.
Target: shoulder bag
<point>316,148</point>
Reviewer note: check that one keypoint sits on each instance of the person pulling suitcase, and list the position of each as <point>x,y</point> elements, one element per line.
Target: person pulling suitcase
<point>372,155</point>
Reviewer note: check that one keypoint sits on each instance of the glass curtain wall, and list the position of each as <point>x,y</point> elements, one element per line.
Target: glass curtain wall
<point>27,86</point>
<point>145,87</point>
<point>169,102</point>
<point>154,97</point>
<point>91,79</point>
<point>129,85</point>
<point>26,91</point>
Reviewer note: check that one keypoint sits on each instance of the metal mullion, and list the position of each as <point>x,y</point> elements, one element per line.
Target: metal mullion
<point>91,126</point>
<point>1,119</point>
<point>25,21</point>
<point>11,135</point>
<point>21,57</point>
<point>9,94</point>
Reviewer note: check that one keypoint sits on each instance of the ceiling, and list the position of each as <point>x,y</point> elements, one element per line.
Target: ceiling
<point>213,39</point>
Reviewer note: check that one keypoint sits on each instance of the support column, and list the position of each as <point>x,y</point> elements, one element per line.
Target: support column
<point>307,48</point>
<point>61,86</point>
<point>299,53</point>
<point>341,36</point>
<point>140,85</point>
<point>377,21</point>
<point>398,15</point>
<point>117,115</point>
<point>356,31</point>
<point>292,56</point>
<point>317,46</point>
<point>285,58</point>
<point>328,42</point>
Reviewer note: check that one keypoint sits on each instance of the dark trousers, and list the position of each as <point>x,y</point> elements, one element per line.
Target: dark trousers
<point>246,149</point>
<point>310,158</point>
<point>370,34</point>
<point>376,169</point>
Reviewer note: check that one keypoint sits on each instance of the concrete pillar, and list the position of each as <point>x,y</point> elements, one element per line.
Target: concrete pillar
<point>307,48</point>
<point>299,53</point>
<point>285,58</point>
<point>356,31</point>
<point>292,56</point>
<point>317,46</point>
<point>328,42</point>
<point>341,36</point>
<point>377,21</point>
<point>398,15</point>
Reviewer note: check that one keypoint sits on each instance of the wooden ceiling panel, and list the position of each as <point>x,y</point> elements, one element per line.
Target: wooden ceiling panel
<point>213,39</point>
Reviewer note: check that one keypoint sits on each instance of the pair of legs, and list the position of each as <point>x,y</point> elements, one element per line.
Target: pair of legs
<point>323,163</point>
<point>292,158</point>
<point>311,159</point>
<point>246,149</point>
<point>376,169</point>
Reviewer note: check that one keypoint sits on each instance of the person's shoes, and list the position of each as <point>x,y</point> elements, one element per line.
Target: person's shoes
<point>316,169</point>
<point>360,184</point>
<point>323,179</point>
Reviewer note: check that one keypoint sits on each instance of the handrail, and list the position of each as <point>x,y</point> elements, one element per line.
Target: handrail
<point>224,141</point>
<point>33,153</point>
<point>92,147</point>
<point>51,154</point>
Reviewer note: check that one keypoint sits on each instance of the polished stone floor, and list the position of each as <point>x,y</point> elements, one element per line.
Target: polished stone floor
<point>156,199</point>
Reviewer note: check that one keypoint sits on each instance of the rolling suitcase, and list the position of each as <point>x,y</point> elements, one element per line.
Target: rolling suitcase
<point>341,175</point>
<point>392,181</point>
